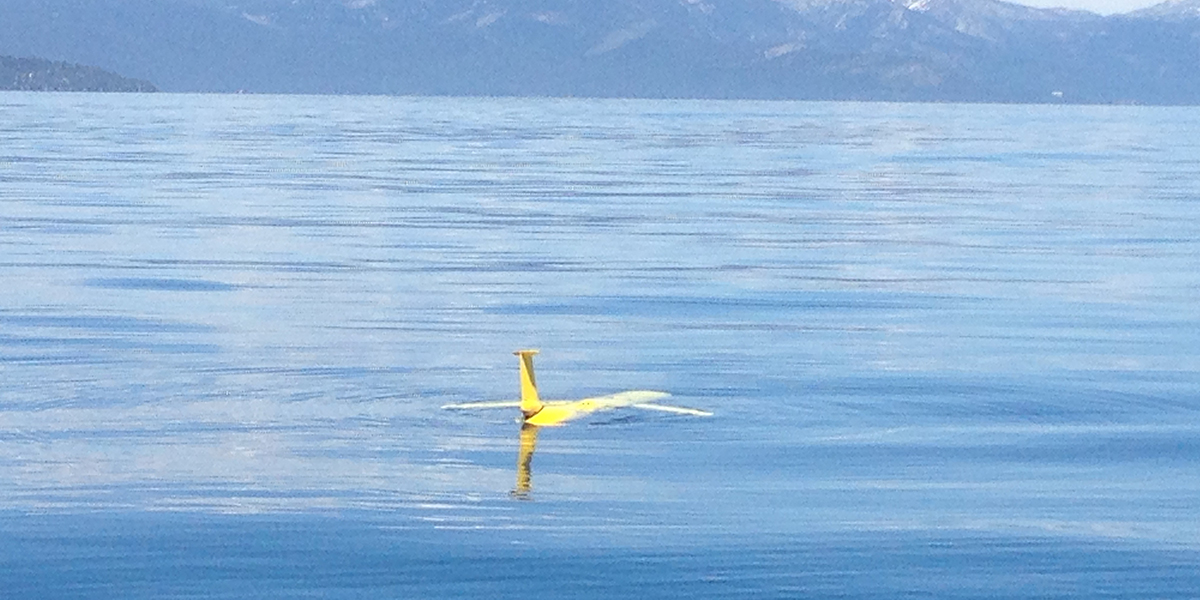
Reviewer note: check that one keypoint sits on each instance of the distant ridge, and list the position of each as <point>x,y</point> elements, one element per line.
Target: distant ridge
<point>890,50</point>
<point>1176,10</point>
<point>36,74</point>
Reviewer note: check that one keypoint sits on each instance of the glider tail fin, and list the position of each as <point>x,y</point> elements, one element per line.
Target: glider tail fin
<point>530,403</point>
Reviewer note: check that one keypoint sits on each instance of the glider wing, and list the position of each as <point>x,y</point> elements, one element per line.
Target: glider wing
<point>679,410</point>
<point>475,405</point>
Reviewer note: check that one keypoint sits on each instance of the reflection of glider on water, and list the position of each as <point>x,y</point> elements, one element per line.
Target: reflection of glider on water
<point>528,444</point>
<point>557,412</point>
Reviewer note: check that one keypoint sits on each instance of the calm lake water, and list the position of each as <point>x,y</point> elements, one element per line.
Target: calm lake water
<point>952,351</point>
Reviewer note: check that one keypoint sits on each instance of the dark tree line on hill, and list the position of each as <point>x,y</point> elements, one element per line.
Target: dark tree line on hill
<point>35,74</point>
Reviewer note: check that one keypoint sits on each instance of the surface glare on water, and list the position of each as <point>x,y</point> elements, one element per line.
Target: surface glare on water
<point>952,350</point>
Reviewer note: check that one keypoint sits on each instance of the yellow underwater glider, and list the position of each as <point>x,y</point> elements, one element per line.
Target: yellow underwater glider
<point>557,412</point>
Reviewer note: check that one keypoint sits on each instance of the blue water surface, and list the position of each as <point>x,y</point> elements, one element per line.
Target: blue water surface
<point>953,351</point>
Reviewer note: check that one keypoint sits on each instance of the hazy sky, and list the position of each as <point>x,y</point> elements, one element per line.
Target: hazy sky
<point>1104,7</point>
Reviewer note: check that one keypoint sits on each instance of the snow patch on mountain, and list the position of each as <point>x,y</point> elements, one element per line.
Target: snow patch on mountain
<point>623,36</point>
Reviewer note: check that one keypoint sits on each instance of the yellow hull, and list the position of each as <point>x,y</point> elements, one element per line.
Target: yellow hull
<point>555,413</point>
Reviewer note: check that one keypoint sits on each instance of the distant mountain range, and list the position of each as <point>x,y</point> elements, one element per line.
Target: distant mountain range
<point>928,50</point>
<point>33,74</point>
